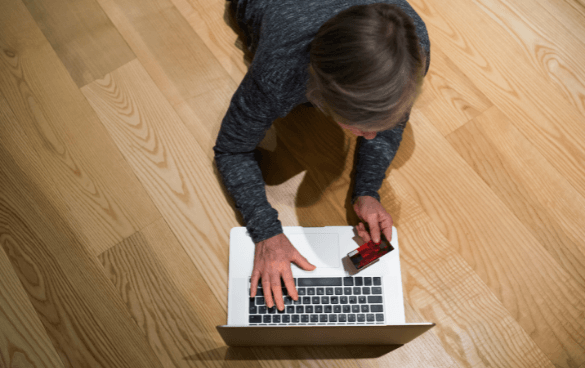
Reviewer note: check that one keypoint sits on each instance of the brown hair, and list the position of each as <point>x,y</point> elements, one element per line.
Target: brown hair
<point>366,66</point>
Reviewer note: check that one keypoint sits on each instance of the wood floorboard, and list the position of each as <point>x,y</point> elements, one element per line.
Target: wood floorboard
<point>87,324</point>
<point>114,224</point>
<point>62,129</point>
<point>529,186</point>
<point>171,166</point>
<point>82,35</point>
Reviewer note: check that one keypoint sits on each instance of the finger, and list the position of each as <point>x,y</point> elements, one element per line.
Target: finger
<point>386,225</point>
<point>289,282</point>
<point>254,283</point>
<point>363,233</point>
<point>374,228</point>
<point>277,291</point>
<point>302,262</point>
<point>267,293</point>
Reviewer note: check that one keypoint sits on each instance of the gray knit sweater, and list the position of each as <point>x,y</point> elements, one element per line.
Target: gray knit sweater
<point>279,32</point>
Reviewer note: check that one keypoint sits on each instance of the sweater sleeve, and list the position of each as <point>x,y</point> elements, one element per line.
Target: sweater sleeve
<point>250,114</point>
<point>373,159</point>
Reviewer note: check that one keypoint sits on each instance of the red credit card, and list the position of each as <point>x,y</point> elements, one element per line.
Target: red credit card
<point>369,253</point>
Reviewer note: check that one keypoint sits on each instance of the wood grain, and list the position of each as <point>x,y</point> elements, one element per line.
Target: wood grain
<point>23,340</point>
<point>167,298</point>
<point>170,164</point>
<point>210,20</point>
<point>504,253</point>
<point>474,327</point>
<point>529,186</point>
<point>548,45</point>
<point>457,99</point>
<point>86,322</point>
<point>504,73</point>
<point>61,128</point>
<point>178,61</point>
<point>82,35</point>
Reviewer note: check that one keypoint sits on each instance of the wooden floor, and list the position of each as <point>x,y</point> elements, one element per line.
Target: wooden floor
<point>114,226</point>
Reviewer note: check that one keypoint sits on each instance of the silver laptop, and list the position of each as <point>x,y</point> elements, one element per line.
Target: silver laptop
<point>337,305</point>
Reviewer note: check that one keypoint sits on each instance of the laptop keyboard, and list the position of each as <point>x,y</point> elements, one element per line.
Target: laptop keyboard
<point>323,301</point>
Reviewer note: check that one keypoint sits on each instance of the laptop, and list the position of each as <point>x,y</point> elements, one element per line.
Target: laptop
<point>337,304</point>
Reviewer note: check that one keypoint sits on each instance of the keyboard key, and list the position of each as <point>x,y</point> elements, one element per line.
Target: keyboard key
<point>309,309</point>
<point>328,309</point>
<point>370,318</point>
<point>266,319</point>
<point>333,318</point>
<point>376,290</point>
<point>295,318</point>
<point>320,291</point>
<point>290,309</point>
<point>262,309</point>
<point>314,318</point>
<point>318,309</point>
<point>334,300</point>
<point>374,299</point>
<point>341,318</point>
<point>357,290</point>
<point>379,318</point>
<point>310,291</point>
<point>347,281</point>
<point>300,309</point>
<point>338,291</point>
<point>377,281</point>
<point>288,300</point>
<point>365,309</point>
<point>366,290</point>
<point>323,318</point>
<point>355,309</point>
<point>362,299</point>
<point>343,300</point>
<point>304,318</point>
<point>347,291</point>
<point>306,300</point>
<point>253,310</point>
<point>358,281</point>
<point>272,310</point>
<point>352,299</point>
<point>297,302</point>
<point>337,309</point>
<point>329,291</point>
<point>346,309</point>
<point>324,300</point>
<point>279,311</point>
<point>302,291</point>
<point>361,317</point>
<point>351,318</point>
<point>260,301</point>
<point>276,319</point>
<point>320,281</point>
<point>259,292</point>
<point>255,319</point>
<point>286,318</point>
<point>252,302</point>
<point>367,281</point>
<point>316,300</point>
<point>377,308</point>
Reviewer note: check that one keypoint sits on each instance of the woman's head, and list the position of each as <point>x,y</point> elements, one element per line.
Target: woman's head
<point>366,67</point>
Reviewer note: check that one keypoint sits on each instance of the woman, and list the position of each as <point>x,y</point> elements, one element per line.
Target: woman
<point>360,62</point>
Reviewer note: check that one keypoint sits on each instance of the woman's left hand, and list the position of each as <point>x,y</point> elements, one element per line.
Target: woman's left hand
<point>370,210</point>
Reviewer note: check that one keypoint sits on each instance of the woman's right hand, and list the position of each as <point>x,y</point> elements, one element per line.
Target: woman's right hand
<point>271,262</point>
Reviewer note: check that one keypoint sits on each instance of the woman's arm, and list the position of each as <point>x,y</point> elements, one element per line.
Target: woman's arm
<point>249,116</point>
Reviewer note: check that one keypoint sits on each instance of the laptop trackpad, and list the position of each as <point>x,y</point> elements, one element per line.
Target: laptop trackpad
<point>322,250</point>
